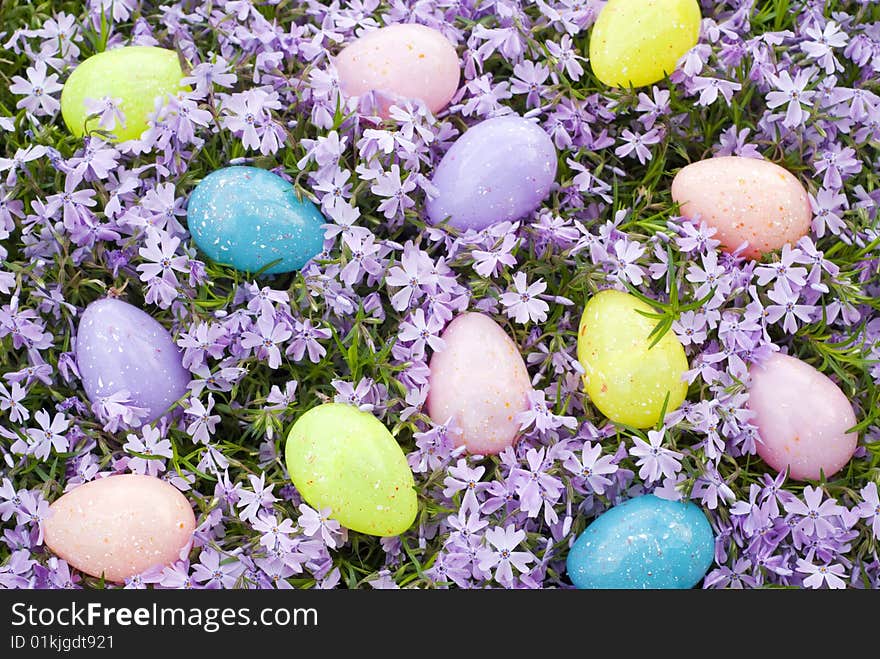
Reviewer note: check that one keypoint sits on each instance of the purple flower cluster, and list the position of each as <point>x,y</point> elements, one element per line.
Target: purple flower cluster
<point>83,218</point>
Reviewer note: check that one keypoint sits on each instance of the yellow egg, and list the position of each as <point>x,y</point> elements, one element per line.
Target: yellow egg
<point>626,378</point>
<point>345,460</point>
<point>637,42</point>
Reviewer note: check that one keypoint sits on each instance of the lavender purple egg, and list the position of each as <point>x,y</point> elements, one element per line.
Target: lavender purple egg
<point>499,170</point>
<point>122,350</point>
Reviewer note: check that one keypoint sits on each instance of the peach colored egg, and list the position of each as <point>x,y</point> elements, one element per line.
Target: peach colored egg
<point>120,526</point>
<point>746,200</point>
<point>404,61</point>
<point>479,380</point>
<point>802,418</point>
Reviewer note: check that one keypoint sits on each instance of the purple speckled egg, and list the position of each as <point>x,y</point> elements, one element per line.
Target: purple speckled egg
<point>119,348</point>
<point>499,170</point>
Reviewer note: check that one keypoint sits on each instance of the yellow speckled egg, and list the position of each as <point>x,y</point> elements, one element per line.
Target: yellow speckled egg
<point>344,459</point>
<point>637,42</point>
<point>133,75</point>
<point>624,377</point>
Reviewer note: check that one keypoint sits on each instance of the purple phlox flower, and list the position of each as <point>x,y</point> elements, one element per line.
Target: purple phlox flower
<point>390,186</point>
<point>215,572</point>
<point>160,251</point>
<point>37,90</point>
<point>541,416</point>
<point>488,263</point>
<point>654,459</point>
<point>413,272</point>
<point>32,511</point>
<point>566,57</point>
<point>467,479</point>
<point>48,437</point>
<point>653,107</point>
<point>332,185</point>
<point>529,79</point>
<point>832,575</point>
<point>711,88</point>
<point>466,526</point>
<point>787,306</point>
<point>305,340</point>
<point>248,115</point>
<point>365,257</point>
<point>626,253</point>
<point>828,208</point>
<point>869,507</point>
<point>815,512</point>
<point>207,74</point>
<point>108,111</point>
<point>535,487</point>
<point>821,45</point>
<point>271,530</point>
<point>711,275</point>
<point>361,396</point>
<point>784,271</point>
<point>319,523</point>
<point>434,448</point>
<point>837,162</point>
<point>151,445</point>
<point>736,577</point>
<point>501,554</point>
<point>11,399</point>
<point>522,303</point>
<point>279,400</point>
<point>592,468</point>
<point>691,328</point>
<point>710,487</point>
<point>16,164</point>
<point>325,151</point>
<point>421,332</point>
<point>636,143</point>
<point>265,336</point>
<point>265,300</point>
<point>793,93</point>
<point>115,410</point>
<point>484,97</point>
<point>252,502</point>
<point>733,143</point>
<point>203,422</point>
<point>202,341</point>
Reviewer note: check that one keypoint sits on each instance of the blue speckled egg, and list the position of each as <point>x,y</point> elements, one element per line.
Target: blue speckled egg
<point>248,217</point>
<point>646,542</point>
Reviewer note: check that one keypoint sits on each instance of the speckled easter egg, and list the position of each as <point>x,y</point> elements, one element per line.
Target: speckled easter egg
<point>120,526</point>
<point>248,217</point>
<point>121,349</point>
<point>625,377</point>
<point>638,42</point>
<point>802,418</point>
<point>746,200</point>
<point>343,459</point>
<point>479,380</point>
<point>499,170</point>
<point>135,75</point>
<point>646,542</point>
<point>405,61</point>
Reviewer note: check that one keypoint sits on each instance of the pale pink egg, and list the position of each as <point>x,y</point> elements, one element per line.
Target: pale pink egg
<point>403,61</point>
<point>746,200</point>
<point>802,418</point>
<point>120,526</point>
<point>479,380</point>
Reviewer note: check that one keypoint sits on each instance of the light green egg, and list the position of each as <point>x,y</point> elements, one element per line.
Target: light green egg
<point>626,378</point>
<point>637,42</point>
<point>346,460</point>
<point>134,74</point>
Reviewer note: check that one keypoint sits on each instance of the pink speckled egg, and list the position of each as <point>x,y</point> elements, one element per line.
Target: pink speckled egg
<point>404,61</point>
<point>120,526</point>
<point>746,200</point>
<point>479,380</point>
<point>802,418</point>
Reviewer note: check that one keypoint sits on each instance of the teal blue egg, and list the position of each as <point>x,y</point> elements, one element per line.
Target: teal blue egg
<point>646,542</point>
<point>248,217</point>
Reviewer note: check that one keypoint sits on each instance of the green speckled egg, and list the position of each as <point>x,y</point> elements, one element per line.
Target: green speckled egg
<point>637,42</point>
<point>626,378</point>
<point>134,74</point>
<point>343,459</point>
